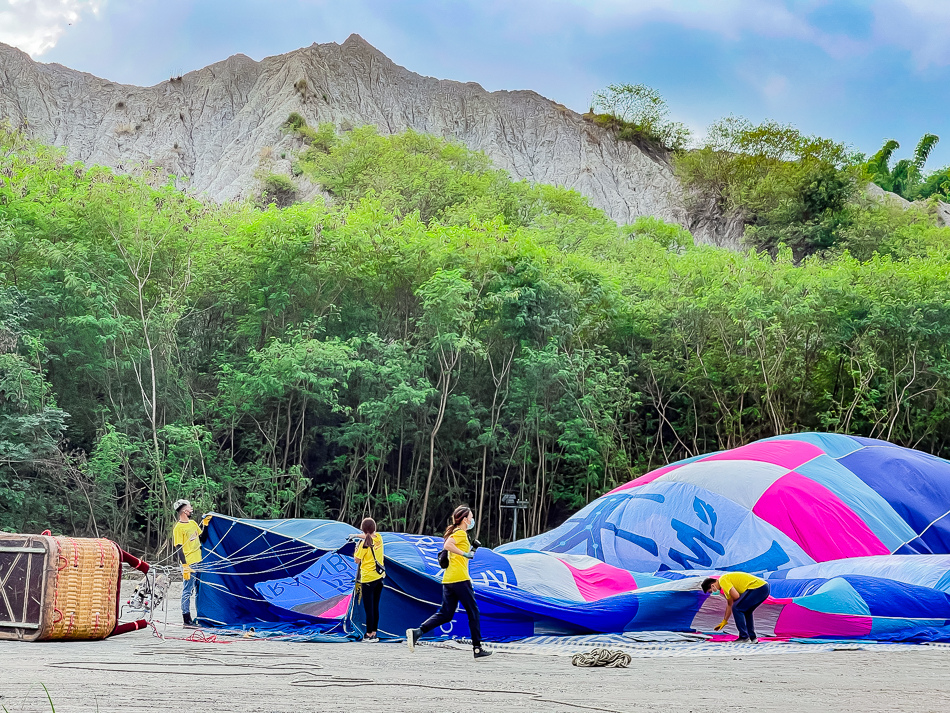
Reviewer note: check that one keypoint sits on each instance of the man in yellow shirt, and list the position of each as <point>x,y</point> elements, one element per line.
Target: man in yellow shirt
<point>743,593</point>
<point>187,538</point>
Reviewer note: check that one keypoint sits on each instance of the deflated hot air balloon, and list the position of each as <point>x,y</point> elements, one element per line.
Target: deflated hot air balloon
<point>852,534</point>
<point>773,504</point>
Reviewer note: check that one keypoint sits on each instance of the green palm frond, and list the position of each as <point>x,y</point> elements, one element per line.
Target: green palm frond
<point>924,147</point>
<point>879,164</point>
<point>902,176</point>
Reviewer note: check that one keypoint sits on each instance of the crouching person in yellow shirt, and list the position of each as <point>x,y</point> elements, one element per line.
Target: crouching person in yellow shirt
<point>743,593</point>
<point>187,538</point>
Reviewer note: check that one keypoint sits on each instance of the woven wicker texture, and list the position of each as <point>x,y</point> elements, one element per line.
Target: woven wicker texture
<point>86,581</point>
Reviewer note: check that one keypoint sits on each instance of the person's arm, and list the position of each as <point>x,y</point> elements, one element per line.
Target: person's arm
<point>731,596</point>
<point>452,547</point>
<point>203,529</point>
<point>177,543</point>
<point>178,539</point>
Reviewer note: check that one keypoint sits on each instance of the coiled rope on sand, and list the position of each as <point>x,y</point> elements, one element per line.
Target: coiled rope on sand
<point>602,657</point>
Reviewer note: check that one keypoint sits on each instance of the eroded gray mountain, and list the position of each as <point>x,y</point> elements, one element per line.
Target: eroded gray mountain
<point>212,126</point>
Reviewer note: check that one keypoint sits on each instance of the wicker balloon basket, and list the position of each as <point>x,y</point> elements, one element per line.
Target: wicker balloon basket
<point>59,588</point>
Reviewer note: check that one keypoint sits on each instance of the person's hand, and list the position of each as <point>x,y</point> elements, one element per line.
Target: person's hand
<point>185,572</point>
<point>469,555</point>
<point>205,520</point>
<point>722,625</point>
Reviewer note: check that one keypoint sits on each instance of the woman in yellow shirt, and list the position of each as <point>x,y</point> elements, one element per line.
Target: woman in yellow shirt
<point>369,560</point>
<point>456,583</point>
<point>743,593</point>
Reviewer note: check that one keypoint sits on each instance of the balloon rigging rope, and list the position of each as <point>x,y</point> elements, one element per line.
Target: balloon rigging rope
<point>917,537</point>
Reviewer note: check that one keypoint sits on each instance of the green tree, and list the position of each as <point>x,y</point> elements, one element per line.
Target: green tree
<point>637,111</point>
<point>906,176</point>
<point>788,188</point>
<point>392,352</point>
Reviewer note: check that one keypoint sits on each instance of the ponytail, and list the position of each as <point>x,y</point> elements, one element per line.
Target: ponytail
<point>368,526</point>
<point>461,512</point>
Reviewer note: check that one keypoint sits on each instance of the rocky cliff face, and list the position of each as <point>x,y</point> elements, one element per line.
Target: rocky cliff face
<point>213,126</point>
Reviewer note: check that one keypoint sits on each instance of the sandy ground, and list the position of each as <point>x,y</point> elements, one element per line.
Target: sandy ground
<point>138,672</point>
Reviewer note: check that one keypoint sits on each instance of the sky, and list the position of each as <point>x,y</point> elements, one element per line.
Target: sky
<point>855,71</point>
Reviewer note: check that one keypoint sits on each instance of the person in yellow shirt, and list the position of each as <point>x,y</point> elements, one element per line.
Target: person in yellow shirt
<point>743,593</point>
<point>370,575</point>
<point>187,538</point>
<point>456,583</point>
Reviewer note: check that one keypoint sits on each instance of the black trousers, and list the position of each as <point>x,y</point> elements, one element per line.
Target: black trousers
<point>452,595</point>
<point>371,592</point>
<point>747,603</point>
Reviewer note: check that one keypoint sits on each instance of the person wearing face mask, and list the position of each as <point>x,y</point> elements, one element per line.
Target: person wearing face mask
<point>188,537</point>
<point>456,583</point>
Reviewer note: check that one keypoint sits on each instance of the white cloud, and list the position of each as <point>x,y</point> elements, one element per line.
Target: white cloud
<point>921,27</point>
<point>35,26</point>
<point>730,19</point>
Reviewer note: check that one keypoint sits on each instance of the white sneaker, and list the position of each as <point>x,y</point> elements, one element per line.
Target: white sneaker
<point>412,636</point>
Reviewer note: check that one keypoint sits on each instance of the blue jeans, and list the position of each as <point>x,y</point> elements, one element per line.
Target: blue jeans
<point>747,603</point>
<point>189,589</point>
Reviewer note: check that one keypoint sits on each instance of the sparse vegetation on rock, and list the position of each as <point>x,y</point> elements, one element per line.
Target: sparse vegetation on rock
<point>278,189</point>
<point>636,112</point>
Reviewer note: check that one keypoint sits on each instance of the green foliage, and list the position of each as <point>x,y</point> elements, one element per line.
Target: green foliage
<point>638,113</point>
<point>437,334</point>
<point>279,189</point>
<point>322,138</point>
<point>295,121</point>
<point>669,235</point>
<point>446,183</point>
<point>936,184</point>
<point>789,188</point>
<point>906,177</point>
<point>31,425</point>
<point>319,139</point>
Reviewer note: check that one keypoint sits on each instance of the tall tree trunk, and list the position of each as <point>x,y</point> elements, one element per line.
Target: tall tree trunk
<point>494,415</point>
<point>447,363</point>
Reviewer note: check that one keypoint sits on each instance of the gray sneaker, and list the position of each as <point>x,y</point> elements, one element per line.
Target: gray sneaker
<point>742,640</point>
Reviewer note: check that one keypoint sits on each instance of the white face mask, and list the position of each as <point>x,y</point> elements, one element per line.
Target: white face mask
<point>471,524</point>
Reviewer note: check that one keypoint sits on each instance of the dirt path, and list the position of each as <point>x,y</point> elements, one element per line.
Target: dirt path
<point>138,672</point>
